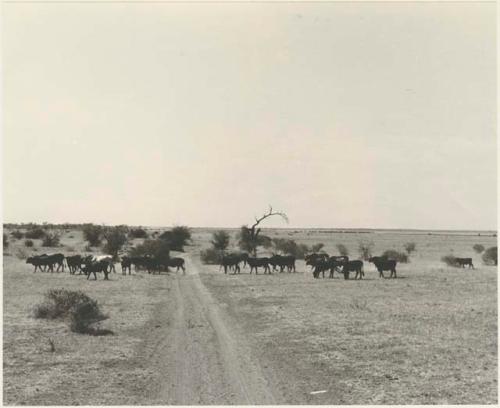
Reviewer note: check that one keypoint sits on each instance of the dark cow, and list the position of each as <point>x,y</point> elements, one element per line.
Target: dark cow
<point>38,262</point>
<point>126,263</point>
<point>313,259</point>
<point>177,263</point>
<point>383,264</point>
<point>95,267</point>
<point>231,261</point>
<point>75,263</point>
<point>47,261</point>
<point>462,262</point>
<point>256,263</point>
<point>351,266</point>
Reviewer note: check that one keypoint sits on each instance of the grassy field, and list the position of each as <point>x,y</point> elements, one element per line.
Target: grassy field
<point>428,337</point>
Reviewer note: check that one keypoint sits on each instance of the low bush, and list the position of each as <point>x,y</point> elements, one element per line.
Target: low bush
<point>17,234</point>
<point>21,253</point>
<point>410,247</point>
<point>401,257</point>
<point>211,256</point>
<point>115,239</point>
<point>490,256</point>
<point>5,241</point>
<point>342,250</point>
<point>29,243</point>
<point>35,233</point>
<point>81,310</point>
<point>478,248</point>
<point>137,233</point>
<point>177,238</point>
<point>365,249</point>
<point>449,260</point>
<point>51,240</point>
<point>93,234</point>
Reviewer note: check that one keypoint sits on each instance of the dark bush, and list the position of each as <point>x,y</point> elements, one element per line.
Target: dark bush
<point>220,240</point>
<point>290,247</point>
<point>490,256</point>
<point>156,248</point>
<point>115,239</point>
<point>5,241</point>
<point>449,260</point>
<point>365,249</point>
<point>410,247</point>
<point>317,247</point>
<point>92,234</point>
<point>51,240</point>
<point>17,234</point>
<point>177,238</point>
<point>478,248</point>
<point>28,243</point>
<point>401,257</point>
<point>35,233</point>
<point>137,233</point>
<point>342,250</point>
<point>85,314</point>
<point>211,256</point>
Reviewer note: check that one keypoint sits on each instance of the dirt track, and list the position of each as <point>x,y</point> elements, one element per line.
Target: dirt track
<point>203,360</point>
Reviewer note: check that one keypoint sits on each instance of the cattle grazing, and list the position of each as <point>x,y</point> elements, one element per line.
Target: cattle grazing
<point>74,263</point>
<point>243,257</point>
<point>95,267</point>
<point>462,262</point>
<point>105,258</point>
<point>38,262</point>
<point>283,262</point>
<point>47,261</point>
<point>256,263</point>
<point>177,263</point>
<point>231,261</point>
<point>313,259</point>
<point>351,266</point>
<point>126,263</point>
<point>383,264</point>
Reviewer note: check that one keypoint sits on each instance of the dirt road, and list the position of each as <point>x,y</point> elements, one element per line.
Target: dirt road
<point>204,360</point>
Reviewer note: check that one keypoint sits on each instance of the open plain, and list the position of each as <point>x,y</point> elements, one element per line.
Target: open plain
<point>427,337</point>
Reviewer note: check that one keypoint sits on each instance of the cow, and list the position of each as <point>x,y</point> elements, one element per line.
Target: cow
<point>47,261</point>
<point>96,266</point>
<point>177,263</point>
<point>106,258</point>
<point>383,264</point>
<point>38,262</point>
<point>462,262</point>
<point>74,263</point>
<point>126,263</point>
<point>351,266</point>
<point>231,261</point>
<point>256,263</point>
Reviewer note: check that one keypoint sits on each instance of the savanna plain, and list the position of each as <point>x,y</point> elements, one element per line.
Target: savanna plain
<point>205,337</point>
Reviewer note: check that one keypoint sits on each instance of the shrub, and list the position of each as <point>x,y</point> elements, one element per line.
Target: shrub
<point>401,257</point>
<point>115,239</point>
<point>137,233</point>
<point>81,310</point>
<point>317,247</point>
<point>157,248</point>
<point>490,256</point>
<point>220,240</point>
<point>342,250</point>
<point>365,249</point>
<point>17,234</point>
<point>93,234</point>
<point>211,256</point>
<point>410,247</point>
<point>5,241</point>
<point>21,253</point>
<point>478,248</point>
<point>290,247</point>
<point>449,260</point>
<point>51,240</point>
<point>28,243</point>
<point>177,238</point>
<point>35,233</point>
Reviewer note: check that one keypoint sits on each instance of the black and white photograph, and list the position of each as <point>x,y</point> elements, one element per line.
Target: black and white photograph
<point>251,203</point>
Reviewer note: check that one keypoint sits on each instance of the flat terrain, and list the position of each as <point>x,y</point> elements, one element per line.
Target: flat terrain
<point>428,337</point>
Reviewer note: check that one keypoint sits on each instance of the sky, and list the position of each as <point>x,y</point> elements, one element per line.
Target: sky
<point>341,114</point>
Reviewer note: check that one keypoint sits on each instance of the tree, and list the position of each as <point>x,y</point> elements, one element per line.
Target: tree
<point>158,249</point>
<point>478,248</point>
<point>317,247</point>
<point>490,256</point>
<point>177,238</point>
<point>92,233</point>
<point>365,249</point>
<point>342,250</point>
<point>220,240</point>
<point>115,239</point>
<point>250,238</point>
<point>410,247</point>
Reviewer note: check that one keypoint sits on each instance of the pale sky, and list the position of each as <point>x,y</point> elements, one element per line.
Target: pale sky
<point>343,115</point>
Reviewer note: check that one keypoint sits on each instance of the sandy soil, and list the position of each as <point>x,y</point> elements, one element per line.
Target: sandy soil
<point>209,338</point>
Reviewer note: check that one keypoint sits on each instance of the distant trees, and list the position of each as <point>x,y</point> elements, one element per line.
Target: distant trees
<point>51,240</point>
<point>115,239</point>
<point>35,233</point>
<point>410,247</point>
<point>137,233</point>
<point>478,248</point>
<point>177,238</point>
<point>17,234</point>
<point>250,238</point>
<point>396,255</point>
<point>220,242</point>
<point>365,249</point>
<point>158,249</point>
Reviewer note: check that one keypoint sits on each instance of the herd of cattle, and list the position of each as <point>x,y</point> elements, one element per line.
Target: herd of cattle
<point>93,264</point>
<point>320,263</point>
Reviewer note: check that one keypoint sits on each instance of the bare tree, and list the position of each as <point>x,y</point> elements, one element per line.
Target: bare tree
<point>249,236</point>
